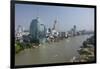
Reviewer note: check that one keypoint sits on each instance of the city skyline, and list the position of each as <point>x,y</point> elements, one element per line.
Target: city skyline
<point>66,17</point>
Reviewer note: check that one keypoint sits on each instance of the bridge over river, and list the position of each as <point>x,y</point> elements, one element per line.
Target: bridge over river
<point>55,52</point>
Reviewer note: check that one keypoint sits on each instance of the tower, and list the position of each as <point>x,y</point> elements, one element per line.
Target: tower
<point>74,30</point>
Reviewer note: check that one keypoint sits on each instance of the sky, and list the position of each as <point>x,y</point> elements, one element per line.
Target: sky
<point>66,17</point>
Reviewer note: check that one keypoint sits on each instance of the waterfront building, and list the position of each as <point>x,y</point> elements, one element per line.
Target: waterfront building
<point>34,29</point>
<point>37,30</point>
<point>73,32</point>
<point>48,32</point>
<point>19,33</point>
<point>26,32</point>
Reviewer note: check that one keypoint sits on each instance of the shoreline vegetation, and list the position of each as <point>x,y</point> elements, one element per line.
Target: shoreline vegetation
<point>18,47</point>
<point>21,46</point>
<point>86,51</point>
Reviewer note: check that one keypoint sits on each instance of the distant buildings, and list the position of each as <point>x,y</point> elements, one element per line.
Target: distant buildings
<point>72,31</point>
<point>19,33</point>
<point>38,33</point>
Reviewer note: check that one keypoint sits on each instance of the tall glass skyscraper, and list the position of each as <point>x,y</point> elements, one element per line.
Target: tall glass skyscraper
<point>37,30</point>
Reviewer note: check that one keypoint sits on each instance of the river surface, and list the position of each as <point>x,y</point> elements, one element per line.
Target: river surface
<point>55,52</point>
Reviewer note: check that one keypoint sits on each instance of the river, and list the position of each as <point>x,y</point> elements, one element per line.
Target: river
<point>56,52</point>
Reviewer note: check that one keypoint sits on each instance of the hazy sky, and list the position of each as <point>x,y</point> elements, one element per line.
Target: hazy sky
<point>83,18</point>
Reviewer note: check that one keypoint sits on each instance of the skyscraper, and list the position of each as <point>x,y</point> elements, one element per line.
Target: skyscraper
<point>74,30</point>
<point>34,30</point>
<point>37,30</point>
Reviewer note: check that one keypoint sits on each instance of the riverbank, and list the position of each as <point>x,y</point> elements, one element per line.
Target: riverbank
<point>86,51</point>
<point>21,46</point>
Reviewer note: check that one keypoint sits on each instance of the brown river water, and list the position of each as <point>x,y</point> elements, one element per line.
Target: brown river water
<point>55,52</point>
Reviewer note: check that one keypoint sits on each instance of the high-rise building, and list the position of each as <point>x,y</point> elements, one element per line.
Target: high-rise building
<point>37,30</point>
<point>19,32</point>
<point>74,30</point>
<point>34,29</point>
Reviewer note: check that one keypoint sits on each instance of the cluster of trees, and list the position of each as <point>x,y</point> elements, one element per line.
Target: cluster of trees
<point>87,50</point>
<point>21,46</point>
